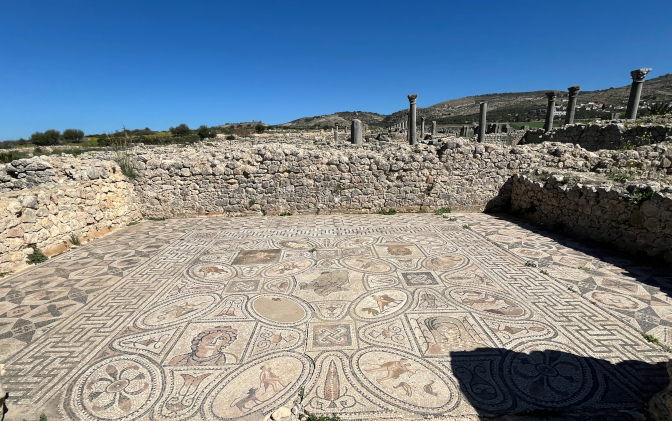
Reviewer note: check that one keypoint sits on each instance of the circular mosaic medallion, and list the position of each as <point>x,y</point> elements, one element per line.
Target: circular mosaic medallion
<point>367,265</point>
<point>279,309</point>
<point>488,302</point>
<point>548,374</point>
<point>178,310</point>
<point>379,305</point>
<point>616,301</point>
<point>405,381</point>
<point>262,385</point>
<point>119,388</point>
<point>211,272</point>
<point>288,268</point>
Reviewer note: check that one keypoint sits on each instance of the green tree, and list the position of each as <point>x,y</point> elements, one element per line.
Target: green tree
<point>181,130</point>
<point>260,128</point>
<point>204,132</point>
<point>50,137</point>
<point>73,135</point>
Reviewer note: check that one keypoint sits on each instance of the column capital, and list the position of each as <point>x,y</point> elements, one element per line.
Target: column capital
<point>574,90</point>
<point>639,74</point>
<point>412,98</point>
<point>551,95</point>
<point>422,118</point>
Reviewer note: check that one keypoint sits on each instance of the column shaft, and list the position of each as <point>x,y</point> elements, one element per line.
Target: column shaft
<point>482,122</point>
<point>550,111</point>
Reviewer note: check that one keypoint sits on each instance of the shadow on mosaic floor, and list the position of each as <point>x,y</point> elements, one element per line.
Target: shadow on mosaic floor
<point>503,382</point>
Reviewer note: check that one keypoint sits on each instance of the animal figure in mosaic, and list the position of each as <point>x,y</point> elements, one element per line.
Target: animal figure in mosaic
<point>407,388</point>
<point>207,348</point>
<point>251,397</point>
<point>383,301</point>
<point>428,389</point>
<point>394,369</point>
<point>328,282</point>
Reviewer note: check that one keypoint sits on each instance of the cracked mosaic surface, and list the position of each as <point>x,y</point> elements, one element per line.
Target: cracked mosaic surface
<point>375,316</point>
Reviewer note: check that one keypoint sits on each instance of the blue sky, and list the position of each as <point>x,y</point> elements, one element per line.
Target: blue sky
<point>97,65</point>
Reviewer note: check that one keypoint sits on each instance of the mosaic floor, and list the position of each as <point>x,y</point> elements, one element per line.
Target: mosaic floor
<point>375,317</point>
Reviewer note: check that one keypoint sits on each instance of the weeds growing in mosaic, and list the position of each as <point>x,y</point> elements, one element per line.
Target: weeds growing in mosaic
<point>650,338</point>
<point>572,289</point>
<point>452,219</point>
<point>36,257</point>
<point>286,214</point>
<point>441,211</point>
<point>74,240</point>
<point>153,218</point>
<point>584,268</point>
<point>544,272</point>
<point>530,264</point>
<point>466,227</point>
<point>130,224</point>
<point>390,211</point>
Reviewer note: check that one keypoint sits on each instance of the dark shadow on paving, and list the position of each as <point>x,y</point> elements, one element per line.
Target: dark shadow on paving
<point>551,384</point>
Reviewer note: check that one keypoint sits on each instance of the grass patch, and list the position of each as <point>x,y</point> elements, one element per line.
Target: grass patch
<point>466,227</point>
<point>421,210</point>
<point>252,202</point>
<point>441,211</point>
<point>9,156</point>
<point>429,187</point>
<point>37,257</point>
<point>544,272</point>
<point>130,224</point>
<point>312,417</point>
<point>390,211</point>
<point>3,274</point>
<point>452,219</point>
<point>286,213</point>
<point>650,338</point>
<point>584,268</point>
<point>619,177</point>
<point>75,240</point>
<point>530,264</point>
<point>152,218</point>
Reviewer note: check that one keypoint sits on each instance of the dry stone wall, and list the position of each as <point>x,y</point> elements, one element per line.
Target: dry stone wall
<point>45,200</point>
<point>607,135</point>
<point>634,217</point>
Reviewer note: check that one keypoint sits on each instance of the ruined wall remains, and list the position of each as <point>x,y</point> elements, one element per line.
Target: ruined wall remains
<point>43,201</point>
<point>607,135</point>
<point>636,218</point>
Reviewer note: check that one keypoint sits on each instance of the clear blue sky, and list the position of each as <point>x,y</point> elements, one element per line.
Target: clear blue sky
<point>98,65</point>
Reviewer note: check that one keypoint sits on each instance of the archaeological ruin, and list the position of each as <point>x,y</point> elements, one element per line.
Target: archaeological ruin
<point>373,273</point>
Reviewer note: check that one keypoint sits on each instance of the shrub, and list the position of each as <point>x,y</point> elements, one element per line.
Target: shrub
<point>387,212</point>
<point>50,137</point>
<point>230,137</point>
<point>37,257</point>
<point>74,240</point>
<point>660,109</point>
<point>259,128</point>
<point>204,132</point>
<point>73,135</point>
<point>180,130</point>
<point>7,157</point>
<point>286,214</point>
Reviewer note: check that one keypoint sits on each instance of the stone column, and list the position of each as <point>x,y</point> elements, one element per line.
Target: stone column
<point>413,134</point>
<point>635,92</point>
<point>336,134</point>
<point>482,122</point>
<point>433,129</point>
<point>422,128</point>
<point>356,132</point>
<point>571,105</point>
<point>548,125</point>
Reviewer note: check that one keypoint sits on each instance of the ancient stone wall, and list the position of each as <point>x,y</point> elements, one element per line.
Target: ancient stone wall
<point>46,200</point>
<point>636,218</point>
<point>43,200</point>
<point>608,135</point>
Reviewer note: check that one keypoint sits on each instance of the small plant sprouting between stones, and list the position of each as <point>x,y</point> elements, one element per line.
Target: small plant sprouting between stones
<point>584,268</point>
<point>544,272</point>
<point>36,257</point>
<point>390,211</point>
<point>313,250</point>
<point>422,210</point>
<point>75,240</point>
<point>130,224</point>
<point>287,213</point>
<point>430,187</point>
<point>253,202</point>
<point>593,302</point>
<point>452,219</point>
<point>638,196</point>
<point>571,289</point>
<point>441,211</point>
<point>650,338</point>
<point>619,177</point>
<point>530,264</point>
<point>466,227</point>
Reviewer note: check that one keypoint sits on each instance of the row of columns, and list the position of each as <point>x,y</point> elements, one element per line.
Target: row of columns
<point>573,91</point>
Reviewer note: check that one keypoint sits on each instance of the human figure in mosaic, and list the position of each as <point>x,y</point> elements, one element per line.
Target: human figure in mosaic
<point>207,348</point>
<point>394,369</point>
<point>268,379</point>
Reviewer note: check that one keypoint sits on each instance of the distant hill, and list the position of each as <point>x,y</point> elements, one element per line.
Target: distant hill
<point>508,106</point>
